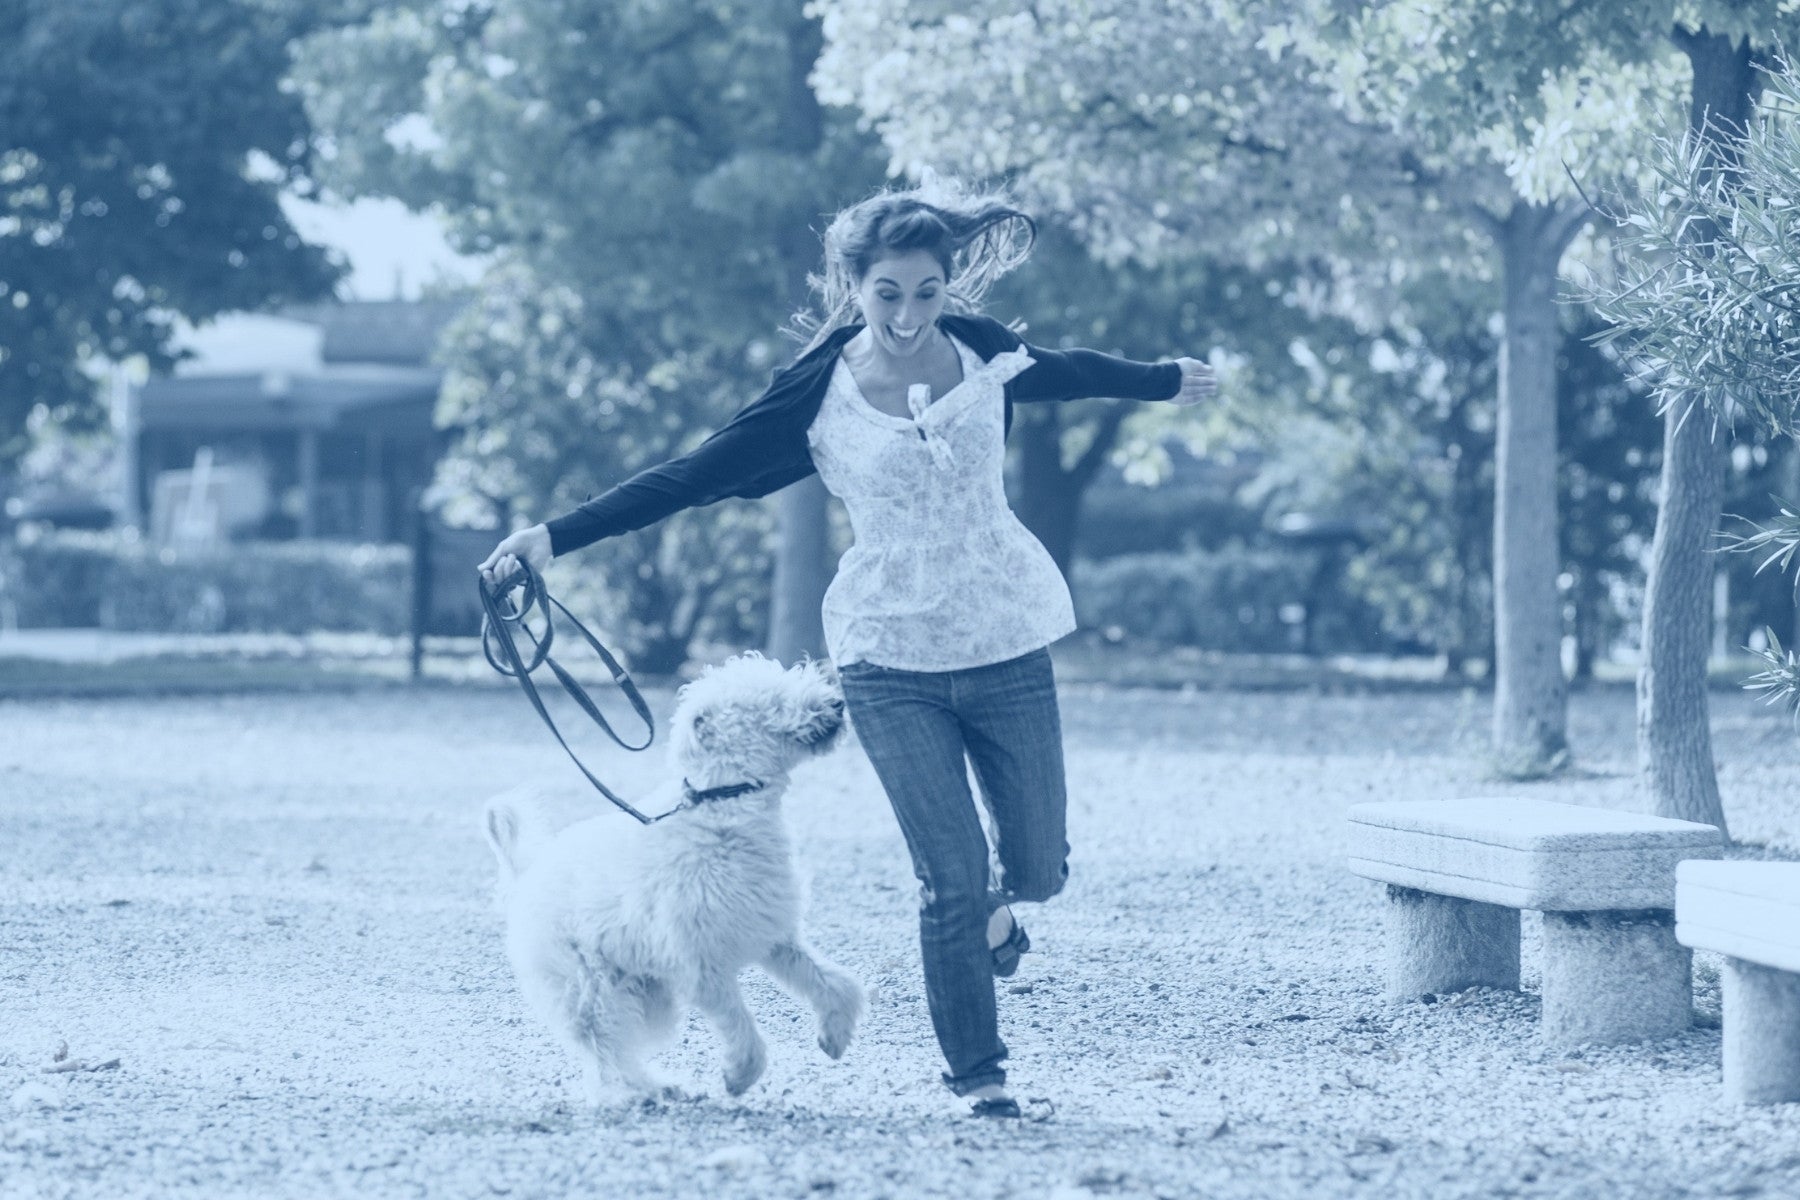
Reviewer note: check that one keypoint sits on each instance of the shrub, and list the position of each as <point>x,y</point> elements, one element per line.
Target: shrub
<point>1225,599</point>
<point>117,581</point>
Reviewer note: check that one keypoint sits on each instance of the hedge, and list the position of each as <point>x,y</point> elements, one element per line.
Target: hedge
<point>69,579</point>
<point>1226,599</point>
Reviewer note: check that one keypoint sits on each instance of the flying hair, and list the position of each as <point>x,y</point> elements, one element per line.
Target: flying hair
<point>977,237</point>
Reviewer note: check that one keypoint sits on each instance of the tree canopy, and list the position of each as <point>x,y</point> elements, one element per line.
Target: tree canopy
<point>1155,130</point>
<point>142,150</point>
<point>648,179</point>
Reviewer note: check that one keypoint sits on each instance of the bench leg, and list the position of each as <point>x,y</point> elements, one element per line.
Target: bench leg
<point>1762,1034</point>
<point>1439,944</point>
<point>1612,977</point>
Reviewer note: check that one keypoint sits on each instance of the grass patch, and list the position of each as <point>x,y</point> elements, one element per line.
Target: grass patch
<point>28,678</point>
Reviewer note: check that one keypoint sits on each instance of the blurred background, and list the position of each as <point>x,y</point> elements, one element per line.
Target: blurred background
<point>303,303</point>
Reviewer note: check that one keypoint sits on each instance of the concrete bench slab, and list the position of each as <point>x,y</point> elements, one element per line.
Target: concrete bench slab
<point>1750,912</point>
<point>1533,854</point>
<point>1459,871</point>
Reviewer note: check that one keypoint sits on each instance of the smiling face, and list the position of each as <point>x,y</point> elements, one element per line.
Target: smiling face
<point>901,296</point>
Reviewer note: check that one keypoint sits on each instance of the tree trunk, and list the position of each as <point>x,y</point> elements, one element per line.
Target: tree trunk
<point>1673,727</point>
<point>1530,695</point>
<point>1050,494</point>
<point>803,570</point>
<point>1047,505</point>
<point>1674,732</point>
<point>1791,495</point>
<point>803,565</point>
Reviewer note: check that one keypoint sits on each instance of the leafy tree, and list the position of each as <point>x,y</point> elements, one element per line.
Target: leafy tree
<point>1611,451</point>
<point>1212,183</point>
<point>1398,426</point>
<point>665,162</point>
<point>131,195</point>
<point>1156,132</point>
<point>1705,295</point>
<point>1510,95</point>
<point>544,422</point>
<point>1722,43</point>
<point>1554,69</point>
<point>1385,144</point>
<point>1070,298</point>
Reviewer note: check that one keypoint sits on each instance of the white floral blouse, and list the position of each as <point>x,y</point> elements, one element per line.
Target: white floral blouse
<point>942,576</point>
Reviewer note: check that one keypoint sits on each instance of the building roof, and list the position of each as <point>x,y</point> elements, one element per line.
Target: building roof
<point>358,364</point>
<point>402,332</point>
<point>361,396</point>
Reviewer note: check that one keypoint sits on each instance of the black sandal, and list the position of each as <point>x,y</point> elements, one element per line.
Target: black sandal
<point>1003,1106</point>
<point>1006,954</point>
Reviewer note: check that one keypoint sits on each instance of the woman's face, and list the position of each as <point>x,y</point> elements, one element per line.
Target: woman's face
<point>901,297</point>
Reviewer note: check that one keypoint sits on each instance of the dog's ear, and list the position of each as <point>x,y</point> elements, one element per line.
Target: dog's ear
<point>503,833</point>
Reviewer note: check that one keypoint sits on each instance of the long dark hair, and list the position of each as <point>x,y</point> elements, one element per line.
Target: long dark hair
<point>976,237</point>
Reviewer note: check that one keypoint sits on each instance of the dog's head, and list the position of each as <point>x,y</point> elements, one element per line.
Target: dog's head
<point>751,719</point>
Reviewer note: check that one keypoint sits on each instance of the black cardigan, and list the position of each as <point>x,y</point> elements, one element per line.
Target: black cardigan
<point>764,447</point>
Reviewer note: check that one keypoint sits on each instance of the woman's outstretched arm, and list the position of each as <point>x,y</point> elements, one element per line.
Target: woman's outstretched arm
<point>761,449</point>
<point>1057,375</point>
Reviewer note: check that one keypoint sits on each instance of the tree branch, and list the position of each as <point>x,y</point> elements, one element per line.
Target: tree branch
<point>1568,220</point>
<point>1106,434</point>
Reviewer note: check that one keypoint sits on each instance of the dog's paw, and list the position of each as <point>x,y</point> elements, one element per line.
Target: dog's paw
<point>834,1033</point>
<point>674,1093</point>
<point>838,1021</point>
<point>834,1041</point>
<point>741,1074</point>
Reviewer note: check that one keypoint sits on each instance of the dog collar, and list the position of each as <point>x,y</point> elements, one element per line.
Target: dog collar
<point>692,795</point>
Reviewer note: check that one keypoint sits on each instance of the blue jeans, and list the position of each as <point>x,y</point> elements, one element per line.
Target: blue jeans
<point>917,727</point>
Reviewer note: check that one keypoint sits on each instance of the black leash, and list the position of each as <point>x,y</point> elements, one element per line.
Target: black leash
<point>500,616</point>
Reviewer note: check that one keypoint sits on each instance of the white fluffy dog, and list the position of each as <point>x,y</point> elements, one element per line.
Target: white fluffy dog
<point>613,927</point>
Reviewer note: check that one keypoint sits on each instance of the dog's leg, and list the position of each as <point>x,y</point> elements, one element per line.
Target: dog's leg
<point>745,1056</point>
<point>595,1012</point>
<point>834,996</point>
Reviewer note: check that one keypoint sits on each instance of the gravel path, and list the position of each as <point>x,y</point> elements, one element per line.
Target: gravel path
<point>274,912</point>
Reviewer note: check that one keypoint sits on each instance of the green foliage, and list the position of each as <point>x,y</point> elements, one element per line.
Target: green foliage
<point>665,160</point>
<point>1705,296</point>
<point>1397,428</point>
<point>647,176</point>
<point>69,579</point>
<point>1226,599</point>
<point>133,192</point>
<point>543,422</point>
<point>1777,541</point>
<point>1158,131</point>
<point>1609,443</point>
<point>1522,92</point>
<point>1779,680</point>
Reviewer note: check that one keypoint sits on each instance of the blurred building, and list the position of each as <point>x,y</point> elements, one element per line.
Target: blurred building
<point>314,422</point>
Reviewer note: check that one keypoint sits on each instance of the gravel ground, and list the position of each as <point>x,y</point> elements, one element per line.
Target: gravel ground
<point>274,913</point>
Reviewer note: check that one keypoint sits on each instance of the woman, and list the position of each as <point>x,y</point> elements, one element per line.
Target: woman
<point>939,616</point>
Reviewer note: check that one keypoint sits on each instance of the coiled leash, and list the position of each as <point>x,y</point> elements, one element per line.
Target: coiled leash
<point>501,616</point>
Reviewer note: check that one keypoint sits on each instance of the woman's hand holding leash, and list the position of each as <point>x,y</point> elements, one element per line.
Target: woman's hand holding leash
<point>528,546</point>
<point>1198,383</point>
<point>503,623</point>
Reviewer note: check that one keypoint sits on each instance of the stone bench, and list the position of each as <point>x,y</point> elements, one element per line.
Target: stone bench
<point>1459,871</point>
<point>1750,913</point>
